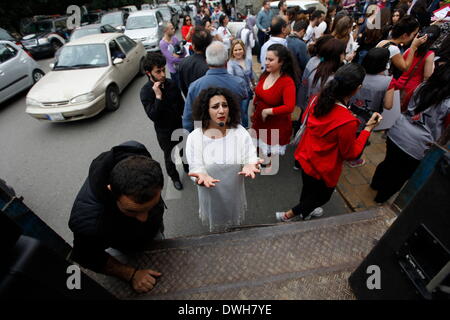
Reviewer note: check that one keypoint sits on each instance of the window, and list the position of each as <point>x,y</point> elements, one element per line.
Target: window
<point>7,52</point>
<point>126,43</point>
<point>115,50</point>
<point>60,25</point>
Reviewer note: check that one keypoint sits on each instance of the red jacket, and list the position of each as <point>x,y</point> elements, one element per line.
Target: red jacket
<point>327,142</point>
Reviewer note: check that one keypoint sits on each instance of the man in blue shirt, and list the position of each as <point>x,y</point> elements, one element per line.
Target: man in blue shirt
<point>216,76</point>
<point>279,29</point>
<point>263,21</point>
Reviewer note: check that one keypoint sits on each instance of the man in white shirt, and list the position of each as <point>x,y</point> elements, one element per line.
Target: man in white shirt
<point>316,18</point>
<point>279,30</point>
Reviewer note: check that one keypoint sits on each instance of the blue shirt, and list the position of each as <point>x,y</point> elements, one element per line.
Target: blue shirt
<point>264,19</point>
<point>213,78</point>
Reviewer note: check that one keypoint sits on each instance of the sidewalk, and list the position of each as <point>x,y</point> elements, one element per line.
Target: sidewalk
<point>354,182</point>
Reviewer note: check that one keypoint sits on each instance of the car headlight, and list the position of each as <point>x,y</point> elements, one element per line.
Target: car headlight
<point>152,38</point>
<point>43,41</point>
<point>30,102</point>
<point>87,97</point>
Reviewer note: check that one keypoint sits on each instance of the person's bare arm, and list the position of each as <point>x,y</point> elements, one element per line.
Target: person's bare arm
<point>141,280</point>
<point>429,67</point>
<point>389,99</point>
<point>403,64</point>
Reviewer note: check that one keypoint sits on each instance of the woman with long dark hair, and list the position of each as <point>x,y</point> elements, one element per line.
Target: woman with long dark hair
<point>420,70</point>
<point>220,154</point>
<point>275,97</point>
<point>403,33</point>
<point>329,139</point>
<point>332,55</point>
<point>422,124</point>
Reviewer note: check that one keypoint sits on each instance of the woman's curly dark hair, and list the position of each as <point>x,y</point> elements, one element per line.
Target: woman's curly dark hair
<point>200,110</point>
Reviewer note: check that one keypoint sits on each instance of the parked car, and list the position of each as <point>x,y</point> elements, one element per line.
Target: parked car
<point>116,19</point>
<point>18,71</point>
<point>88,77</point>
<point>46,36</point>
<point>178,9</point>
<point>303,4</point>
<point>129,9</point>
<point>145,26</point>
<point>92,17</point>
<point>91,29</point>
<point>167,15</point>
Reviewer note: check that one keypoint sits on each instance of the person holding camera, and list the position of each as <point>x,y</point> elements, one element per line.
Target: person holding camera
<point>328,140</point>
<point>172,49</point>
<point>164,105</point>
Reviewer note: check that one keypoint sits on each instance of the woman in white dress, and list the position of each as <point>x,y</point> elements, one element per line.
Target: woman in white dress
<point>223,32</point>
<point>220,154</point>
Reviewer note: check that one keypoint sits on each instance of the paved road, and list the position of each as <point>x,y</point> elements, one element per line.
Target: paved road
<point>46,163</point>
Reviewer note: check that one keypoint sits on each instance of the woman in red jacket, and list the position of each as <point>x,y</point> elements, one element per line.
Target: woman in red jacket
<point>329,139</point>
<point>275,101</point>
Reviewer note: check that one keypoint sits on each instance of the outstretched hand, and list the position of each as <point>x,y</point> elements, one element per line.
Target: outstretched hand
<point>204,179</point>
<point>250,170</point>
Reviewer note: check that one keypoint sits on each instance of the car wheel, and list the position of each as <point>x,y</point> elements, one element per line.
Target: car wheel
<point>56,44</point>
<point>141,68</point>
<point>37,75</point>
<point>112,98</point>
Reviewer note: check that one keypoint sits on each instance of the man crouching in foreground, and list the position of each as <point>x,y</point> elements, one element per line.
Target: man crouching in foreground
<point>119,206</point>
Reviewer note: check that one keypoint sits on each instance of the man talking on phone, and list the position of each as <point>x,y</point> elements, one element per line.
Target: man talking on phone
<point>164,105</point>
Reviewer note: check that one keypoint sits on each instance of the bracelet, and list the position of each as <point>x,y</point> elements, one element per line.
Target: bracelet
<point>132,276</point>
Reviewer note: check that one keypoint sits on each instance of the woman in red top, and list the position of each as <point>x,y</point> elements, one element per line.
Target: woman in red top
<point>275,101</point>
<point>420,70</point>
<point>187,29</point>
<point>329,139</point>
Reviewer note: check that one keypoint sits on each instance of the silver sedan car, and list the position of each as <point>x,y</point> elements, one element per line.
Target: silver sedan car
<point>18,71</point>
<point>88,77</point>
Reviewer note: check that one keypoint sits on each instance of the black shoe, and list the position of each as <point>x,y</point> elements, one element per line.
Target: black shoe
<point>177,184</point>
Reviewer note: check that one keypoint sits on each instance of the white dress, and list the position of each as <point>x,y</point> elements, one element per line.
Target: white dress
<point>225,204</point>
<point>225,33</point>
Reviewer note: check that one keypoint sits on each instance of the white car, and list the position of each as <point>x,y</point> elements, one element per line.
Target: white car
<point>89,76</point>
<point>303,4</point>
<point>145,26</point>
<point>18,71</point>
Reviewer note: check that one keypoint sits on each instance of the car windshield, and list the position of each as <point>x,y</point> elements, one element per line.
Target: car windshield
<point>83,32</point>
<point>112,19</point>
<point>82,56</point>
<point>4,35</point>
<point>141,22</point>
<point>38,27</point>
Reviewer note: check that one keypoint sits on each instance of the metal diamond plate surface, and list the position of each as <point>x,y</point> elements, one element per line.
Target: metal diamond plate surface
<point>302,260</point>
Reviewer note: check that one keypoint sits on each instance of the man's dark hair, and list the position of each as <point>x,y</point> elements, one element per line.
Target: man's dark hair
<point>201,39</point>
<point>200,110</point>
<point>316,14</point>
<point>154,59</point>
<point>300,25</point>
<point>278,23</point>
<point>310,10</point>
<point>265,2</point>
<point>407,24</point>
<point>376,60</point>
<point>280,4</point>
<point>138,177</point>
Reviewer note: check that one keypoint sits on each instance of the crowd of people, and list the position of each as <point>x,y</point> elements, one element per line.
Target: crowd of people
<point>339,64</point>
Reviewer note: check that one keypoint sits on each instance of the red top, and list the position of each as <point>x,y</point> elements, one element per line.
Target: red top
<point>281,96</point>
<point>327,142</point>
<point>185,31</point>
<point>416,79</point>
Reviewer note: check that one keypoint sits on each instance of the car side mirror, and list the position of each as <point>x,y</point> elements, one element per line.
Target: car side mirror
<point>117,61</point>
<point>51,65</point>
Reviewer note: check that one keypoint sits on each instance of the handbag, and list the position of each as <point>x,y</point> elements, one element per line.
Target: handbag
<point>298,136</point>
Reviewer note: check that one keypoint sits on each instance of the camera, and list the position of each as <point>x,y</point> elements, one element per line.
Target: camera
<point>363,114</point>
<point>179,49</point>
